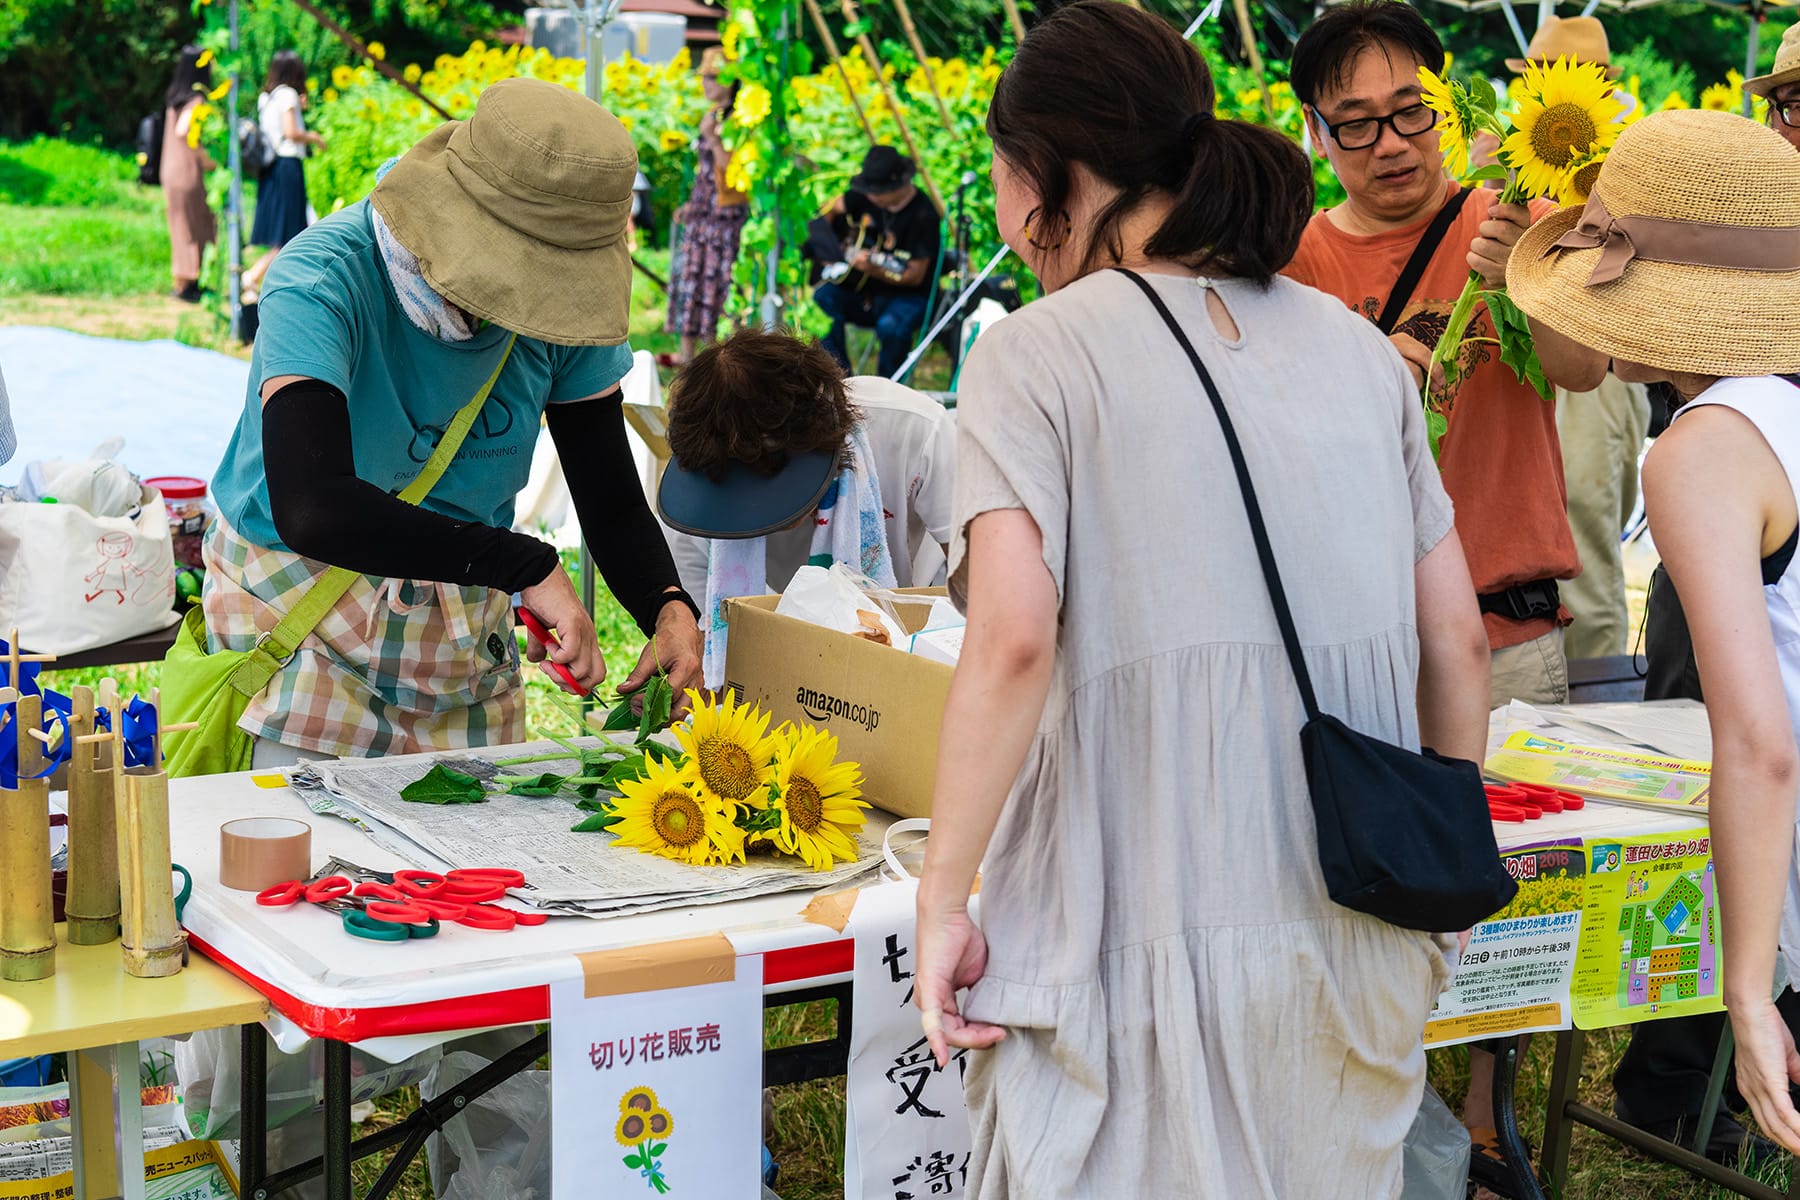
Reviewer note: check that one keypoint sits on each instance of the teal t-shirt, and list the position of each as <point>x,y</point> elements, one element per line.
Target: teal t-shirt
<point>328,312</point>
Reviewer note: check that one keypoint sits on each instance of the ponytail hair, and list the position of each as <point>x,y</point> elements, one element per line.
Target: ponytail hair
<point>1117,90</point>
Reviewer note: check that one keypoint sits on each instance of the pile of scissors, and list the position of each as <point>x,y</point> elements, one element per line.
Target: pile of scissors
<point>407,904</point>
<point>1517,802</point>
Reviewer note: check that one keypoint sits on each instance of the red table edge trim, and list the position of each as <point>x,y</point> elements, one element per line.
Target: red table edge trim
<point>514,1006</point>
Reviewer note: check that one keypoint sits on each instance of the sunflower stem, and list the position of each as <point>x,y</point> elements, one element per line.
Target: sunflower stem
<point>1445,352</point>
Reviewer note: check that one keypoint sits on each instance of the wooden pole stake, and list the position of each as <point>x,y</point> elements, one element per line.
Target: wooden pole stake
<point>837,60</point>
<point>868,48</point>
<point>361,51</point>
<point>918,49</point>
<point>13,659</point>
<point>151,937</point>
<point>27,921</point>
<point>1014,19</point>
<point>93,904</point>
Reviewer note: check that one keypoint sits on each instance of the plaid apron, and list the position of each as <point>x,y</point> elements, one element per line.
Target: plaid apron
<point>397,666</point>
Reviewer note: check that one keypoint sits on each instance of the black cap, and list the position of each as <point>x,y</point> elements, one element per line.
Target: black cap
<point>744,504</point>
<point>884,169</point>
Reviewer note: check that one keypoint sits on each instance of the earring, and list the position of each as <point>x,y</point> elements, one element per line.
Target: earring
<point>1031,236</point>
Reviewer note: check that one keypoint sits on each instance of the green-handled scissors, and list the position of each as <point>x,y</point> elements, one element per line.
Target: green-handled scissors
<point>358,922</point>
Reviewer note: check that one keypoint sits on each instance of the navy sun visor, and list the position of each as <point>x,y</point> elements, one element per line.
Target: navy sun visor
<point>744,504</point>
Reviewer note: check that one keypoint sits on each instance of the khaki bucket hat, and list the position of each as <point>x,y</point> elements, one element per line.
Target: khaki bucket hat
<point>519,213</point>
<point>1786,69</point>
<point>1580,38</point>
<point>1686,256</point>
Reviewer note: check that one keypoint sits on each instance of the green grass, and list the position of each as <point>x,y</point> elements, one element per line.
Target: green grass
<point>82,251</point>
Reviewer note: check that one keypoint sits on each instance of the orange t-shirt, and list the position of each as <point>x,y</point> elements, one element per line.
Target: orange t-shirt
<point>1500,458</point>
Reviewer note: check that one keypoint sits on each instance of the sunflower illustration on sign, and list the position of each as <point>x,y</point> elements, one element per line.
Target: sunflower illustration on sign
<point>644,1128</point>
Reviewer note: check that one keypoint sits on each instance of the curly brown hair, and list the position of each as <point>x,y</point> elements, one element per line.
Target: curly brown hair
<point>756,398</point>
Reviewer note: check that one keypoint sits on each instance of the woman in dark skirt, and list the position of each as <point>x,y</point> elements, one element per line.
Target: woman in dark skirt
<point>281,193</point>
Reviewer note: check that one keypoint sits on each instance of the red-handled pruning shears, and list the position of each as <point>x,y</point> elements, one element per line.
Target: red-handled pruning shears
<point>537,629</point>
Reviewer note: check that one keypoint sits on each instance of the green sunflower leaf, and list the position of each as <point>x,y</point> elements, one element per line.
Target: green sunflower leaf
<point>635,1159</point>
<point>1482,93</point>
<point>662,753</point>
<point>595,822</point>
<point>620,717</point>
<point>442,785</point>
<point>626,770</point>
<point>1435,425</point>
<point>1517,350</point>
<point>546,784</point>
<point>1491,171</point>
<point>659,699</point>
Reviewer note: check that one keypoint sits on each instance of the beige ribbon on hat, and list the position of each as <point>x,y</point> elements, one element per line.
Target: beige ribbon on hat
<point>1669,240</point>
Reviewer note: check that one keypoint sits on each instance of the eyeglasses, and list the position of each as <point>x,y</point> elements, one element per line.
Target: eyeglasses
<point>1788,111</point>
<point>1364,132</point>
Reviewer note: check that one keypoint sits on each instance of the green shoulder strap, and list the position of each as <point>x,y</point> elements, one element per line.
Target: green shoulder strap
<point>274,648</point>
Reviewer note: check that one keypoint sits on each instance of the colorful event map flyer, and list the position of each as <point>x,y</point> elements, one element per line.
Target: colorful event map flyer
<point>1514,977</point>
<point>1649,932</point>
<point>1621,776</point>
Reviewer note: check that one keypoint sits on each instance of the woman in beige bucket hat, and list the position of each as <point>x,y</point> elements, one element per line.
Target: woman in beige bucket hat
<point>1781,87</point>
<point>1684,267</point>
<point>493,255</point>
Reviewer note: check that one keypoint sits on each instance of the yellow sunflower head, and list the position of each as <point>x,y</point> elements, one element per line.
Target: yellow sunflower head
<point>727,746</point>
<point>1721,97</point>
<point>1581,176</point>
<point>1566,112</point>
<point>660,814</point>
<point>819,801</point>
<point>660,1122</point>
<point>638,1099</point>
<point>1459,118</point>
<point>633,1127</point>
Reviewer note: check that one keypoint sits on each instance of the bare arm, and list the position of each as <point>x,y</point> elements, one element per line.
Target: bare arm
<point>990,718</point>
<point>1453,655</point>
<point>1711,551</point>
<point>290,128</point>
<point>1567,363</point>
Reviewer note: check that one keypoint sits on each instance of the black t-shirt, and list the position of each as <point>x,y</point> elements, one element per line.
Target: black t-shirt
<point>911,233</point>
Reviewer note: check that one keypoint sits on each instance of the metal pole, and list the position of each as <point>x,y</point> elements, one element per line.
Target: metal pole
<point>1518,31</point>
<point>912,360</point>
<point>771,302</point>
<point>1756,19</point>
<point>234,207</point>
<point>1546,10</point>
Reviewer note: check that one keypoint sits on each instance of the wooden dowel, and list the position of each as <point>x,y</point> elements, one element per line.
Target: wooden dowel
<point>918,49</point>
<point>151,939</point>
<point>361,51</point>
<point>868,48</point>
<point>837,60</point>
<point>1014,19</point>
<point>27,921</point>
<point>93,903</point>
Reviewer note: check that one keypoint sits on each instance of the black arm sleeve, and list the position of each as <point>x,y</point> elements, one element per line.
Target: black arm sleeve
<point>322,510</point>
<point>621,532</point>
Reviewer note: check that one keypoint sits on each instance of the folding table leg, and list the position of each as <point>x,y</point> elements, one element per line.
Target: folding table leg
<point>1506,1119</point>
<point>253,1096</point>
<point>107,1121</point>
<point>1559,1130</point>
<point>337,1120</point>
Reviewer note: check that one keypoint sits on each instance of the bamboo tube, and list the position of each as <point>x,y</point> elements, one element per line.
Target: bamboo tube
<point>153,940</point>
<point>868,48</point>
<point>93,904</point>
<point>1014,19</point>
<point>837,60</point>
<point>27,923</point>
<point>918,49</point>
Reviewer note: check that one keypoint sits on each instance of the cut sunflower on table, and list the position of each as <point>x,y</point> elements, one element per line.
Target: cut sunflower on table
<point>1565,119</point>
<point>660,814</point>
<point>727,746</point>
<point>818,799</point>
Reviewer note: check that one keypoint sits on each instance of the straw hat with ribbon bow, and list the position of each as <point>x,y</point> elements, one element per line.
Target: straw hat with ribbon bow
<point>1786,69</point>
<point>518,214</point>
<point>1686,256</point>
<point>1580,38</point>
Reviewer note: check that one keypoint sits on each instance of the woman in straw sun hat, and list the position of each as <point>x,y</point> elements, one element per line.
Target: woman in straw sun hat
<point>1781,87</point>
<point>494,250</point>
<point>1684,267</point>
<point>1580,38</point>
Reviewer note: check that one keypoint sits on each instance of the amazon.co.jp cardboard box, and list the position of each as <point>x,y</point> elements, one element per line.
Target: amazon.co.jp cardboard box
<point>883,705</point>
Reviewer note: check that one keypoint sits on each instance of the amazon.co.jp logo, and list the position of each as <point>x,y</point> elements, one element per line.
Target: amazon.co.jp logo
<point>821,707</point>
<point>493,421</point>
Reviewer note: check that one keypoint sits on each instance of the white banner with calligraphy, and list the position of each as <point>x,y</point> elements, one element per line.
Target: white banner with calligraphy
<point>907,1128</point>
<point>658,1092</point>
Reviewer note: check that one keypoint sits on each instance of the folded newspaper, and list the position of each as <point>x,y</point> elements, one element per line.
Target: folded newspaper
<point>578,873</point>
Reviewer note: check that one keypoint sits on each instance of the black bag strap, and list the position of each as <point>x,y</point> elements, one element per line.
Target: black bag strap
<point>1259,532</point>
<point>1415,266</point>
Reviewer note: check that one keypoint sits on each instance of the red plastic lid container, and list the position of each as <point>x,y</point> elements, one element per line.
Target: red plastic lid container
<point>178,487</point>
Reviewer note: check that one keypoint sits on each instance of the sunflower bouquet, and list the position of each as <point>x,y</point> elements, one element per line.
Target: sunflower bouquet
<point>1564,121</point>
<point>736,787</point>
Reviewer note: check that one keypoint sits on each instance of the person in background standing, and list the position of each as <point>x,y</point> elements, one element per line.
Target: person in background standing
<point>712,222</point>
<point>1781,87</point>
<point>281,193</point>
<point>192,226</point>
<point>1602,431</point>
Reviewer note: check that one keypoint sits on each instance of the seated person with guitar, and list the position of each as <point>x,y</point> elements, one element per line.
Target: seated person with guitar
<point>890,235</point>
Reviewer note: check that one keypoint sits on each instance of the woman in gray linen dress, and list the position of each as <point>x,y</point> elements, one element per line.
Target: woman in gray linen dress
<point>1169,1006</point>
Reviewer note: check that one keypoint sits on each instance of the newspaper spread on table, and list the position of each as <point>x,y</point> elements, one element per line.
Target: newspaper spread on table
<point>581,873</point>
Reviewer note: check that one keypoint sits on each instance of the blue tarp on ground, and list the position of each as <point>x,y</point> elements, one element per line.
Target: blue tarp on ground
<point>174,405</point>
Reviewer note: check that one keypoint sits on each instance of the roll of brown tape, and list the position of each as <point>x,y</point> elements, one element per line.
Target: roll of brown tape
<point>260,852</point>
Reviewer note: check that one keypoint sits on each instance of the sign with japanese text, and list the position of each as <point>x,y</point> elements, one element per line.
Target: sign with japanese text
<point>659,1092</point>
<point>907,1128</point>
<point>1514,976</point>
<point>1650,932</point>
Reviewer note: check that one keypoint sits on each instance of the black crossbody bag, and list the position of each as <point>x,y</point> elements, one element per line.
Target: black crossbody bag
<point>1402,836</point>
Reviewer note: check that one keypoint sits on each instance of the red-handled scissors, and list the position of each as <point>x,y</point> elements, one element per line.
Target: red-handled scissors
<point>537,629</point>
<point>313,891</point>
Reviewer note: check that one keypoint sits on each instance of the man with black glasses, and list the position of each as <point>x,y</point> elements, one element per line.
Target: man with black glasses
<point>1781,88</point>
